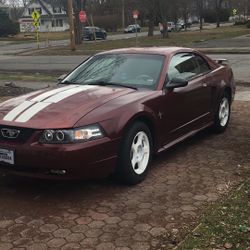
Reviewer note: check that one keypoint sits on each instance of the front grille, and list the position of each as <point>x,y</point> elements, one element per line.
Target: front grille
<point>24,135</point>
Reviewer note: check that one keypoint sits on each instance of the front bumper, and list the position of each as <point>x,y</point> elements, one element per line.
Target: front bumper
<point>93,159</point>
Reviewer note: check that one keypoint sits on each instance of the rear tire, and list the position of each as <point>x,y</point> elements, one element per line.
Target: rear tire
<point>222,115</point>
<point>135,154</point>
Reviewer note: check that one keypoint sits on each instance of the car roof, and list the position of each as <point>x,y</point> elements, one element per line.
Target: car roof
<point>166,51</point>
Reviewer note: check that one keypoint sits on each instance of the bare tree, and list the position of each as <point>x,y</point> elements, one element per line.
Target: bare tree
<point>25,2</point>
<point>164,14</point>
<point>200,9</point>
<point>152,8</point>
<point>16,9</point>
<point>218,7</point>
<point>78,5</point>
<point>185,8</point>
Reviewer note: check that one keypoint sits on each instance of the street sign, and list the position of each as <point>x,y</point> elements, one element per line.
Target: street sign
<point>36,24</point>
<point>35,15</point>
<point>135,14</point>
<point>82,16</point>
<point>235,12</point>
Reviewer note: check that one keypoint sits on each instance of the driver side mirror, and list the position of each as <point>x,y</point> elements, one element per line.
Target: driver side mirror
<point>176,83</point>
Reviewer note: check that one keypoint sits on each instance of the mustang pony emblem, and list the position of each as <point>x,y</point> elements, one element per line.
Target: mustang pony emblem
<point>10,133</point>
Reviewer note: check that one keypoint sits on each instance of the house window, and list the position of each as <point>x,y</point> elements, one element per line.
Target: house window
<point>42,22</point>
<point>57,23</point>
<point>31,10</point>
<point>57,10</point>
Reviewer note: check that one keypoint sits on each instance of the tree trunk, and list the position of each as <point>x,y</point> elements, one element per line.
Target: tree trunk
<point>151,28</point>
<point>78,30</point>
<point>165,30</point>
<point>217,8</point>
<point>217,18</point>
<point>151,24</point>
<point>78,6</point>
<point>200,12</point>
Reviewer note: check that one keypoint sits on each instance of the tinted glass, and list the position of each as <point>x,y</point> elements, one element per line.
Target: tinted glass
<point>136,70</point>
<point>203,65</point>
<point>183,66</point>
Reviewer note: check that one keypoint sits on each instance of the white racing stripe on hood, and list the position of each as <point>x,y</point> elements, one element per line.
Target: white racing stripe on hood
<point>26,104</point>
<point>17,110</point>
<point>61,96</point>
<point>47,94</point>
<point>28,114</point>
<point>39,106</point>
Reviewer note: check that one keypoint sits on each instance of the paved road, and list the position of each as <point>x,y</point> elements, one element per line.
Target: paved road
<point>41,215</point>
<point>39,63</point>
<point>240,63</point>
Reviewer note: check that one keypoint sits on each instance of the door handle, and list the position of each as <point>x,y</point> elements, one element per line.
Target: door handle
<point>204,85</point>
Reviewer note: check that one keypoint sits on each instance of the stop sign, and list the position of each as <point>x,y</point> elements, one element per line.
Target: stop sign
<point>135,14</point>
<point>82,16</point>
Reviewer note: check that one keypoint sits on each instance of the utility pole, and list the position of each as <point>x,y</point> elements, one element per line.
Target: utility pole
<point>71,26</point>
<point>123,15</point>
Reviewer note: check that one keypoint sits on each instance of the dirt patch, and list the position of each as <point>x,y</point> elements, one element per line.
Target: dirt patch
<point>13,91</point>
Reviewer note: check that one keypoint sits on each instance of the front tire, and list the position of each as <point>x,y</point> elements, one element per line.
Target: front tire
<point>135,155</point>
<point>222,115</point>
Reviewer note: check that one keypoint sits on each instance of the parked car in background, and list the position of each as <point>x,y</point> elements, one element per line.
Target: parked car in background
<point>132,28</point>
<point>114,112</point>
<point>181,24</point>
<point>88,33</point>
<point>171,27</point>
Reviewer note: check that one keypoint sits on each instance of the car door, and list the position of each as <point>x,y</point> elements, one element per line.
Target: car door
<point>186,108</point>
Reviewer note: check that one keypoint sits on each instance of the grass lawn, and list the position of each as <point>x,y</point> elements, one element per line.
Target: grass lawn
<point>188,39</point>
<point>225,226</point>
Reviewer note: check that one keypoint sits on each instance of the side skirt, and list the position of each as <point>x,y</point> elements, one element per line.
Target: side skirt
<point>182,138</point>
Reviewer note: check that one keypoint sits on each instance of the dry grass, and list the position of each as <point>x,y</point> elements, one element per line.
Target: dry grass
<point>186,39</point>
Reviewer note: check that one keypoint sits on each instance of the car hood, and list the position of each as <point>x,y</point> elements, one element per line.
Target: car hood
<point>59,107</point>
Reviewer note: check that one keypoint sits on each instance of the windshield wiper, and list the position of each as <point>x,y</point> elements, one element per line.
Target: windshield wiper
<point>102,83</point>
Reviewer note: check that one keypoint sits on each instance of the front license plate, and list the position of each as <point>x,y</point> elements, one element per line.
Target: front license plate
<point>7,156</point>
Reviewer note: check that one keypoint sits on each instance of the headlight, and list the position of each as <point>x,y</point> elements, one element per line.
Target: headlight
<point>87,133</point>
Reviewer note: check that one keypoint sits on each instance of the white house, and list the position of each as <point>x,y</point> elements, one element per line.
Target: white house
<point>53,17</point>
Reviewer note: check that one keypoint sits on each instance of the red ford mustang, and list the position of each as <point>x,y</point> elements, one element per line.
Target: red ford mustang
<point>113,113</point>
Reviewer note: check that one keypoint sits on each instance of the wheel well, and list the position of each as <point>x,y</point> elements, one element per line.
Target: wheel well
<point>229,92</point>
<point>149,124</point>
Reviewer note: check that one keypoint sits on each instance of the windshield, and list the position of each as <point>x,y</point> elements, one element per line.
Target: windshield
<point>134,70</point>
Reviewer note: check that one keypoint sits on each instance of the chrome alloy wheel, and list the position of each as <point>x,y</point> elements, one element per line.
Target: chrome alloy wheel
<point>140,152</point>
<point>224,112</point>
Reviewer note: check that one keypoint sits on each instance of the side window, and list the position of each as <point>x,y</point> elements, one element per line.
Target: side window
<point>183,66</point>
<point>203,65</point>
